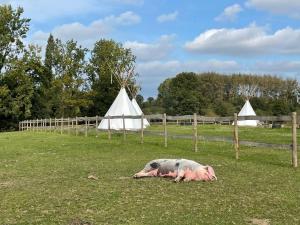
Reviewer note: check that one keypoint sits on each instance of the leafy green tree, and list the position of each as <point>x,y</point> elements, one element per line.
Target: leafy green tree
<point>15,84</point>
<point>16,90</point>
<point>107,58</point>
<point>140,100</point>
<point>68,89</point>
<point>13,29</point>
<point>181,94</point>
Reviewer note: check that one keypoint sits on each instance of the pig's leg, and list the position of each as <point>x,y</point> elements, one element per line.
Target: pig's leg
<point>180,175</point>
<point>187,179</point>
<point>143,173</point>
<point>150,170</point>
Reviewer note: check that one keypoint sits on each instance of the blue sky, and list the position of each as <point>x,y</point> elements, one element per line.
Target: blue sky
<point>171,36</point>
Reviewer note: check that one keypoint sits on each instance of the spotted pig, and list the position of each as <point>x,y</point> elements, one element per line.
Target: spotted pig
<point>179,169</point>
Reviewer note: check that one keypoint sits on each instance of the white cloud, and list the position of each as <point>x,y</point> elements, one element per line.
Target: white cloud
<point>251,40</point>
<point>229,13</point>
<point>87,34</point>
<point>283,7</point>
<point>151,51</point>
<point>45,10</point>
<point>167,17</point>
<point>126,18</point>
<point>171,68</point>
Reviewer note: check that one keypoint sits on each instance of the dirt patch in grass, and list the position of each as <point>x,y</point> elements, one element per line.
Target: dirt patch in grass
<point>255,221</point>
<point>78,221</point>
<point>6,184</point>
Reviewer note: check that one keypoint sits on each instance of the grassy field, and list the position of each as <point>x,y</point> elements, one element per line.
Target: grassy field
<point>257,134</point>
<point>44,180</point>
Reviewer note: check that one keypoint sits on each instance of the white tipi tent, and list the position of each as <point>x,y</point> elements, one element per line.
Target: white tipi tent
<point>247,110</point>
<point>139,111</point>
<point>121,106</point>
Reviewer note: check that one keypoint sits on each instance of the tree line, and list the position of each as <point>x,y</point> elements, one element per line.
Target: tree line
<point>68,80</point>
<point>216,94</point>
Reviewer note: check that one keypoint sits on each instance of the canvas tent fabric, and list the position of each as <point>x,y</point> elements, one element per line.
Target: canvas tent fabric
<point>139,111</point>
<point>121,106</point>
<point>247,110</point>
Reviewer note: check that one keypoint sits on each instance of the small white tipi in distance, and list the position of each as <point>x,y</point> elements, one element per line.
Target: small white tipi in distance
<point>122,106</point>
<point>247,110</point>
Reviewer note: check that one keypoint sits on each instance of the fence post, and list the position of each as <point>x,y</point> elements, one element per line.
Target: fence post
<point>50,124</point>
<point>142,128</point>
<point>85,119</point>
<point>68,125</point>
<point>61,125</point>
<point>165,130</point>
<point>109,134</point>
<point>96,126</point>
<point>195,133</point>
<point>294,131</point>
<point>124,132</point>
<point>76,126</point>
<point>236,137</point>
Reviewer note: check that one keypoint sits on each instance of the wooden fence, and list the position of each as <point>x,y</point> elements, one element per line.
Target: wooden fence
<point>66,124</point>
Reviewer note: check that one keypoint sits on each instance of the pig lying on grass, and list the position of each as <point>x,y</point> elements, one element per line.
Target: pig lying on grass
<point>180,169</point>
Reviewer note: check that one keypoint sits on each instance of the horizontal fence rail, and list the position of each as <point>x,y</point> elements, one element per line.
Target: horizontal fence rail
<point>85,123</point>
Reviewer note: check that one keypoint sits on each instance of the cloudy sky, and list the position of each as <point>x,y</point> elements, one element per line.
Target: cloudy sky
<point>171,36</point>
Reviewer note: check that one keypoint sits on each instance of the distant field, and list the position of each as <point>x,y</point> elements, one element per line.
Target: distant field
<point>259,134</point>
<point>43,180</point>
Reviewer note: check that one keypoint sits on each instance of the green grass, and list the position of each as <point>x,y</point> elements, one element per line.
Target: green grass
<point>257,134</point>
<point>43,180</point>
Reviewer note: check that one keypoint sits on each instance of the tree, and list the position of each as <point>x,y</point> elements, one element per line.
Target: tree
<point>68,90</point>
<point>15,85</point>
<point>211,93</point>
<point>180,94</point>
<point>16,90</point>
<point>41,99</point>
<point>106,56</point>
<point>13,29</point>
<point>139,99</point>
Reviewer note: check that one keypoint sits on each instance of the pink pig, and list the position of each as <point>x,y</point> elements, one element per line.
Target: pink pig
<point>179,169</point>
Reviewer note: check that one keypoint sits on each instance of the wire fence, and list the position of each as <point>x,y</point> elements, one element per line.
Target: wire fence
<point>84,124</point>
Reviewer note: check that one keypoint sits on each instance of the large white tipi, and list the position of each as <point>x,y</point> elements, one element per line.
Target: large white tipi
<point>121,106</point>
<point>247,110</point>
